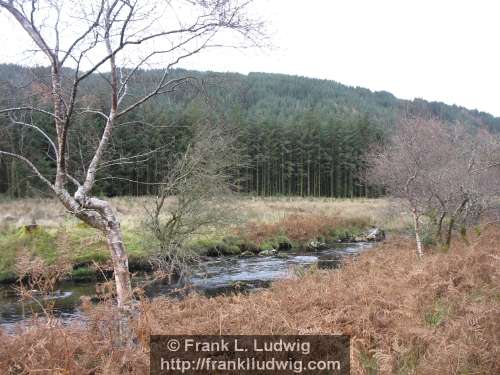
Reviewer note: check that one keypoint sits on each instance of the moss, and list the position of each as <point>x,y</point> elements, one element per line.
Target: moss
<point>83,273</point>
<point>87,244</point>
<point>7,277</point>
<point>136,243</point>
<point>36,242</point>
<point>267,245</point>
<point>342,234</point>
<point>279,242</point>
<point>90,245</point>
<point>205,245</point>
<point>216,245</point>
<point>83,225</point>
<point>8,247</point>
<point>282,243</point>
<point>82,244</point>
<point>39,242</point>
<point>249,247</point>
<point>228,249</point>
<point>230,245</point>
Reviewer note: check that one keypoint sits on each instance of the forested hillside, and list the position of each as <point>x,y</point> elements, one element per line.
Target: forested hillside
<point>296,136</point>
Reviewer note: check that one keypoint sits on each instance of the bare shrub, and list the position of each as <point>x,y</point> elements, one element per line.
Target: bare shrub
<point>195,196</point>
<point>37,278</point>
<point>446,175</point>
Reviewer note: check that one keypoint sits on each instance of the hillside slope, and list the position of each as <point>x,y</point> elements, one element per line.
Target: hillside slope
<point>297,135</point>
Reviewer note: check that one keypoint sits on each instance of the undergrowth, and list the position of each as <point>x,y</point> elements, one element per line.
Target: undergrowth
<point>439,315</point>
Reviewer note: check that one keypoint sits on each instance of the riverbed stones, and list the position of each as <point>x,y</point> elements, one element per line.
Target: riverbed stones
<point>316,245</point>
<point>372,235</point>
<point>375,234</point>
<point>247,254</point>
<point>268,252</point>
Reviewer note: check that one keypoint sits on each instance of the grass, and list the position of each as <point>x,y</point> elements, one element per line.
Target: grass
<point>264,224</point>
<point>215,245</point>
<point>83,273</point>
<point>81,244</point>
<point>368,363</point>
<point>130,210</point>
<point>438,315</point>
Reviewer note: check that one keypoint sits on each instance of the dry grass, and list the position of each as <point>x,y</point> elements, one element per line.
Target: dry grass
<point>299,228</point>
<point>440,316</point>
<point>269,209</point>
<point>50,212</point>
<point>384,212</point>
<point>436,316</point>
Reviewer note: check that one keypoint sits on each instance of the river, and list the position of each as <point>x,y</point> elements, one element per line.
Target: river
<point>216,276</point>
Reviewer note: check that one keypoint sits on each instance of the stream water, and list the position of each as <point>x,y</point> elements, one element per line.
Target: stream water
<point>217,276</point>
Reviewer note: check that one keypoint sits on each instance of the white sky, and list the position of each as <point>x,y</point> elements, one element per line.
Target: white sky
<point>444,50</point>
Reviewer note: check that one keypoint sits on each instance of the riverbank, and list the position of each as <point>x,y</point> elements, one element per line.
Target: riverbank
<point>439,315</point>
<point>211,277</point>
<point>261,226</point>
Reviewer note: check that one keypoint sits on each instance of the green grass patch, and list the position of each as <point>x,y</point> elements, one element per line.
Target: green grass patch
<point>437,314</point>
<point>80,243</point>
<point>407,361</point>
<point>343,234</point>
<point>215,245</point>
<point>369,363</point>
<point>36,242</point>
<point>279,242</point>
<point>83,273</point>
<point>8,245</point>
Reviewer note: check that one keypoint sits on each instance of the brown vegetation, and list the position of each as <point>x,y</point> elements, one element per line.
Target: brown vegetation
<point>299,228</point>
<point>269,209</point>
<point>438,315</point>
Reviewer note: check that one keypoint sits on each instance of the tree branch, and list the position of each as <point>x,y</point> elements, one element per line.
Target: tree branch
<point>30,165</point>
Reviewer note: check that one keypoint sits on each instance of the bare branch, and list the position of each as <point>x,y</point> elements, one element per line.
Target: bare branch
<point>30,165</point>
<point>90,29</point>
<point>39,130</point>
<point>26,108</point>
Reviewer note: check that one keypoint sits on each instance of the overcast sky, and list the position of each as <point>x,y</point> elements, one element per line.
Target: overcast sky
<point>445,50</point>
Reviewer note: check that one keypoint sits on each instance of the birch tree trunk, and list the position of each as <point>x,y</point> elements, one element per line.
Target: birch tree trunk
<point>416,224</point>
<point>120,263</point>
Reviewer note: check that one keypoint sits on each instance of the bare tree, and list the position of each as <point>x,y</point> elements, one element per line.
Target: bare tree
<point>195,196</point>
<point>114,39</point>
<point>445,174</point>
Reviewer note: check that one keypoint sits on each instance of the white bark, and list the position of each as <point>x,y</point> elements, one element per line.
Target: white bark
<point>416,224</point>
<point>108,223</point>
<point>120,261</point>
